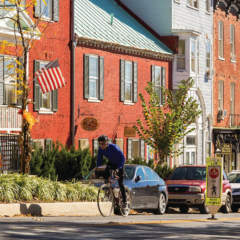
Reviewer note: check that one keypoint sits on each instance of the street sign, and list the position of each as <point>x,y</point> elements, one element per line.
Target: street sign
<point>214,176</point>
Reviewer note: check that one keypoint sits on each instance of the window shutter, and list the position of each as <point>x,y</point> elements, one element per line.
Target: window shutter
<point>153,75</point>
<point>101,78</point>
<point>129,149</point>
<point>122,80</point>
<point>1,81</point>
<point>48,144</point>
<point>55,100</point>
<point>37,9</point>
<point>36,88</point>
<point>86,76</point>
<point>21,67</point>
<point>135,82</point>
<point>95,147</point>
<point>56,10</point>
<point>142,149</point>
<point>163,83</point>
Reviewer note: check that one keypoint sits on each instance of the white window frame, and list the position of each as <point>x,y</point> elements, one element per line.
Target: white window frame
<point>128,80</point>
<point>232,42</point>
<point>193,3</point>
<point>193,54</point>
<point>220,94</point>
<point>43,7</point>
<point>181,57</point>
<point>93,78</point>
<point>220,40</point>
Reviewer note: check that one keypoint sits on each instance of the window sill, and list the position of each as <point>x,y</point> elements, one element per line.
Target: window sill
<point>233,60</point>
<point>181,70</point>
<point>45,111</point>
<point>194,8</point>
<point>46,19</point>
<point>177,1</point>
<point>128,103</point>
<point>208,13</point>
<point>94,100</point>
<point>220,58</point>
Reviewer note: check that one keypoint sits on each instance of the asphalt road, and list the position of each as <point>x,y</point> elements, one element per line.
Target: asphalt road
<point>140,226</point>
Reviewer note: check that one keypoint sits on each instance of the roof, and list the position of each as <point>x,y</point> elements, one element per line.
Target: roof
<point>106,21</point>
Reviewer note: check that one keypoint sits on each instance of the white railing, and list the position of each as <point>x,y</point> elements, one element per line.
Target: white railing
<point>10,120</point>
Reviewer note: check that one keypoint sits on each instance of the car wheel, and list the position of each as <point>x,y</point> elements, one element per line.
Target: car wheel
<point>235,208</point>
<point>227,207</point>
<point>184,209</point>
<point>162,204</point>
<point>203,209</point>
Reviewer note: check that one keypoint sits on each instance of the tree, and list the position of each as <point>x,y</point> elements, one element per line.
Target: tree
<point>164,126</point>
<point>24,38</point>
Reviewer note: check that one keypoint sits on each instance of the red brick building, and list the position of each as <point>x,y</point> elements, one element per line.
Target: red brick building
<point>115,57</point>
<point>226,119</point>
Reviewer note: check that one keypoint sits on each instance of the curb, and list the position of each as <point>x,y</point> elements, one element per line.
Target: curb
<point>49,209</point>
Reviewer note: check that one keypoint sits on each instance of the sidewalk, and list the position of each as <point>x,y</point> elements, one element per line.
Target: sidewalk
<point>49,209</point>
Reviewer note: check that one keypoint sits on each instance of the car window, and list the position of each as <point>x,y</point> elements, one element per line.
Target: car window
<point>129,172</point>
<point>150,174</point>
<point>140,173</point>
<point>234,177</point>
<point>189,173</point>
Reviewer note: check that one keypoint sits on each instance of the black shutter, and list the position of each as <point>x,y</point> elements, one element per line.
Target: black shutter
<point>37,9</point>
<point>36,88</point>
<point>135,82</point>
<point>86,77</point>
<point>163,83</point>
<point>122,80</point>
<point>55,100</point>
<point>101,78</point>
<point>1,81</point>
<point>55,10</point>
<point>129,149</point>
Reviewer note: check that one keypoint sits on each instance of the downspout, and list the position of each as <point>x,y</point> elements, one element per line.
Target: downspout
<point>72,69</point>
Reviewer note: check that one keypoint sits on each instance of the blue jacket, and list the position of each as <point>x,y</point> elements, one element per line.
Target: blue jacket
<point>114,155</point>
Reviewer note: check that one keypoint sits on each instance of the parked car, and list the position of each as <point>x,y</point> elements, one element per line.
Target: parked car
<point>234,179</point>
<point>186,189</point>
<point>146,189</point>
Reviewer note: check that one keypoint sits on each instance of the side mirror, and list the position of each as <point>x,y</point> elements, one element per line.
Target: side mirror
<point>137,179</point>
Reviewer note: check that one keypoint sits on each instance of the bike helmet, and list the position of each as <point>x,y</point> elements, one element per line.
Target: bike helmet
<point>102,138</point>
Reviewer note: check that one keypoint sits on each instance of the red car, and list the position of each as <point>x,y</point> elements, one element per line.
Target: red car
<point>186,189</point>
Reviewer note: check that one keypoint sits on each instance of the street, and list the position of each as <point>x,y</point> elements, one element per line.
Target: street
<point>140,226</point>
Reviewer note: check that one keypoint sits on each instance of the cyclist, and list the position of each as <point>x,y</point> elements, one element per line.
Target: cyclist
<point>116,161</point>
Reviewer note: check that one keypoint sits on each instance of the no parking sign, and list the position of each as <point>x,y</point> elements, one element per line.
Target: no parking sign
<point>214,176</point>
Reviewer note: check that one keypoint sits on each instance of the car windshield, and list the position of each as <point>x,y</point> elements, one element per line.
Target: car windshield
<point>189,173</point>
<point>129,172</point>
<point>234,177</point>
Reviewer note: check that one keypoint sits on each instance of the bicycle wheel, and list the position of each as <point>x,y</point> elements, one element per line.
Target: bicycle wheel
<point>105,200</point>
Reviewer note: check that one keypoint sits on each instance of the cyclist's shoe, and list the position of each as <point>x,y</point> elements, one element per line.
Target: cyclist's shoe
<point>124,205</point>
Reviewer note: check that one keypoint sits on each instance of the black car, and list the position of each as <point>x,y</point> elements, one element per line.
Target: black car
<point>146,189</point>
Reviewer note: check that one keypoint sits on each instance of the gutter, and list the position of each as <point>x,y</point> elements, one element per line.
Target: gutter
<point>72,75</point>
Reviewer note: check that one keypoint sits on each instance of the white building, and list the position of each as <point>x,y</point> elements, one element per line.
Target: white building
<point>192,22</point>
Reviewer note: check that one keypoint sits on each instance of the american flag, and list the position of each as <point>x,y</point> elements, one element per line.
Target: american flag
<point>50,77</point>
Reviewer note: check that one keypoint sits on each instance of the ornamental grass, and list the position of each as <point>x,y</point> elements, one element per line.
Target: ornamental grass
<point>29,188</point>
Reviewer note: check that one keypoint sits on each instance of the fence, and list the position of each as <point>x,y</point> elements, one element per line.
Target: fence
<point>10,152</point>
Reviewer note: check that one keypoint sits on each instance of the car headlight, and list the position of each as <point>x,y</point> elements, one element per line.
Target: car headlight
<point>195,189</point>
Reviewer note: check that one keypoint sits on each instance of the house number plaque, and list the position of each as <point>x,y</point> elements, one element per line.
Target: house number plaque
<point>89,124</point>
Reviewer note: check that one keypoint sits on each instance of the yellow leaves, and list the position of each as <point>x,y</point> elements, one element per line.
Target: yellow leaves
<point>29,118</point>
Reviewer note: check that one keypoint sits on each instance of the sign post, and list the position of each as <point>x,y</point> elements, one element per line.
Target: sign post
<point>214,176</point>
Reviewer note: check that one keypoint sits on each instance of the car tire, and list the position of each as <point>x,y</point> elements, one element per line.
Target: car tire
<point>227,206</point>
<point>203,209</point>
<point>235,208</point>
<point>184,209</point>
<point>162,204</point>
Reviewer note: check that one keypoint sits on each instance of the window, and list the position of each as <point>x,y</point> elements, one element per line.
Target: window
<point>193,3</point>
<point>93,77</point>
<point>159,81</point>
<point>181,56</point>
<point>232,103</point>
<point>208,5</point>
<point>129,81</point>
<point>47,9</point>
<point>8,80</point>
<point>220,94</point>
<point>232,42</point>
<point>140,173</point>
<point>193,55</point>
<point>191,140</point>
<point>136,148</point>
<point>208,55</point>
<point>220,40</point>
<point>7,3</point>
<point>47,102</point>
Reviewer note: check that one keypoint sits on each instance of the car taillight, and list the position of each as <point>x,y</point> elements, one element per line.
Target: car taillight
<point>195,189</point>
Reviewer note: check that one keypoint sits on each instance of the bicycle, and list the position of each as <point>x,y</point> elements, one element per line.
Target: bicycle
<point>110,198</point>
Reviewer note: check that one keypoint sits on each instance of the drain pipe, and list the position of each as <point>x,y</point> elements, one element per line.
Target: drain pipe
<point>72,69</point>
